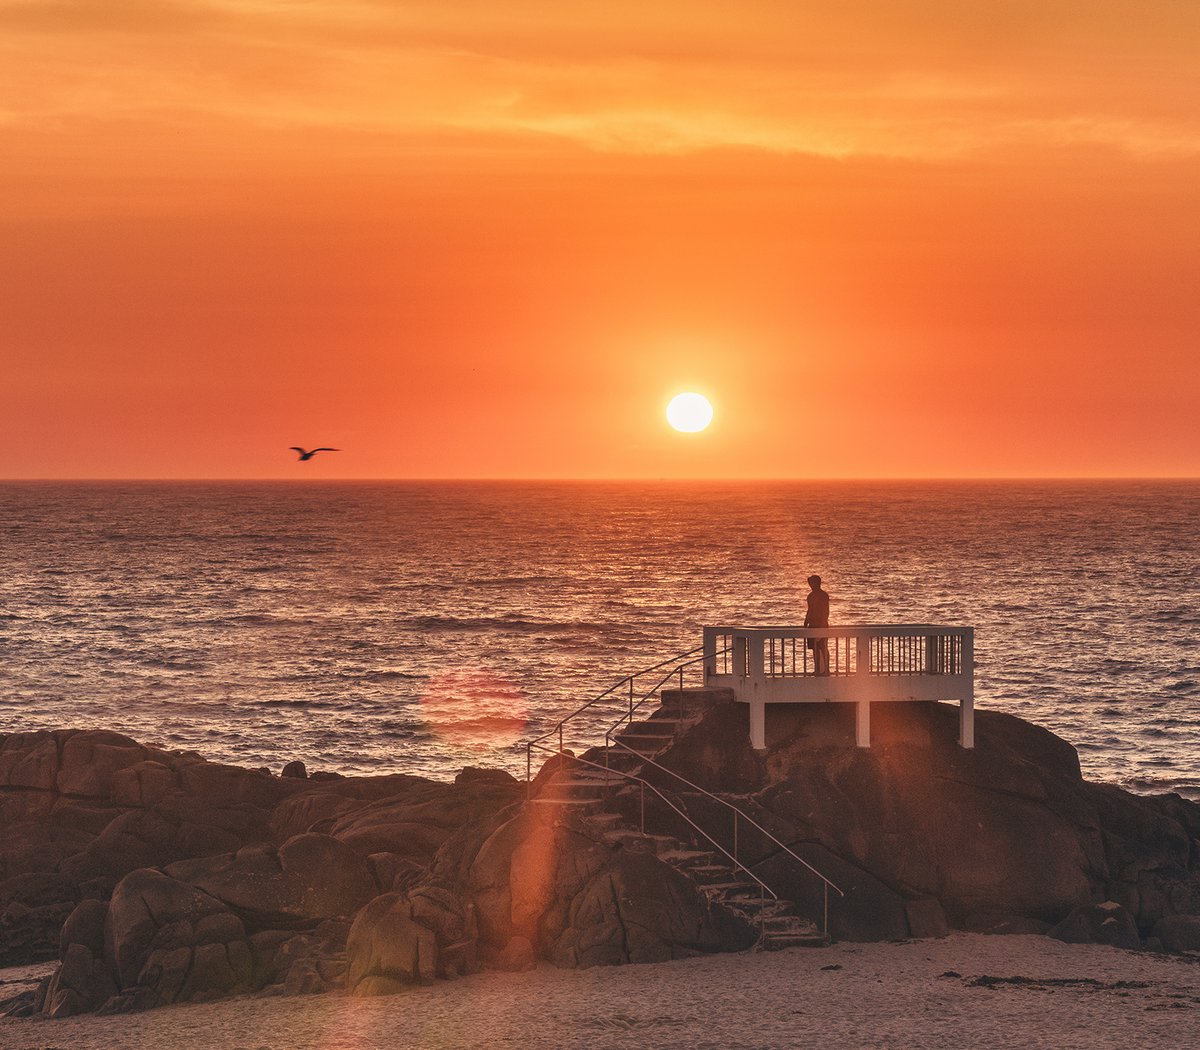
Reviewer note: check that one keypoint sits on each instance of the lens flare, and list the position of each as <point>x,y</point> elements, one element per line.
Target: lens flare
<point>475,710</point>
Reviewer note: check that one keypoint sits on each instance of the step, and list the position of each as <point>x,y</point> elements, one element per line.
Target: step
<point>620,758</point>
<point>786,924</point>
<point>652,727</point>
<point>568,805</point>
<point>712,873</point>
<point>774,942</point>
<point>636,840</point>
<point>627,738</point>
<point>690,860</point>
<point>730,892</point>
<point>591,784</point>
<point>605,820</point>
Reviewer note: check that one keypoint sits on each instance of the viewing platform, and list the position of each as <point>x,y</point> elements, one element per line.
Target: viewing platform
<point>861,664</point>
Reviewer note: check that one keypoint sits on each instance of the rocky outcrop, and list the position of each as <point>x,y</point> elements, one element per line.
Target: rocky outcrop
<point>157,877</point>
<point>1006,837</point>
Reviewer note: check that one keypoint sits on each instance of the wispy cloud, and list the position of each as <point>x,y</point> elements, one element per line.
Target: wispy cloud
<point>923,78</point>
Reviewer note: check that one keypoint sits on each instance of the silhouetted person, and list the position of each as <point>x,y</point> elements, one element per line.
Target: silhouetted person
<point>309,455</point>
<point>818,616</point>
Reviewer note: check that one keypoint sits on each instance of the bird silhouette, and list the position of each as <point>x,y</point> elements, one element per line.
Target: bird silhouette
<point>309,455</point>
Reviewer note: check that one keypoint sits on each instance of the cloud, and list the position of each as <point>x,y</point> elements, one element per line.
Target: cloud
<point>922,78</point>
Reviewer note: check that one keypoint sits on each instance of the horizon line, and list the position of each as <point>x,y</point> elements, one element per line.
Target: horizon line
<point>624,479</point>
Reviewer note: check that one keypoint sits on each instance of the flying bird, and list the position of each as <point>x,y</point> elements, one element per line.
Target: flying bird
<point>309,455</point>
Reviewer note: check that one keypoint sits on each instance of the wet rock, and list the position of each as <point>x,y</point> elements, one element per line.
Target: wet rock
<point>295,769</point>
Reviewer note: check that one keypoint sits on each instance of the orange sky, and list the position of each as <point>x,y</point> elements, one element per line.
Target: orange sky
<point>903,238</point>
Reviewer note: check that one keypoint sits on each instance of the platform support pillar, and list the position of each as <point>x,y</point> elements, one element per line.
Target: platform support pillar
<point>862,728</point>
<point>758,725</point>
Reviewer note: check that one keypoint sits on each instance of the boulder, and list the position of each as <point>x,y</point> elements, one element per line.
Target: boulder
<point>1179,933</point>
<point>387,941</point>
<point>85,927</point>
<point>295,769</point>
<point>82,983</point>
<point>415,823</point>
<point>399,940</point>
<point>581,901</point>
<point>174,939</point>
<point>309,877</point>
<point>1106,923</point>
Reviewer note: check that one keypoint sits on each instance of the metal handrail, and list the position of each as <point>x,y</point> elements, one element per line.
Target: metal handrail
<point>678,663</point>
<point>728,805</point>
<point>628,720</point>
<point>613,688</point>
<point>764,889</point>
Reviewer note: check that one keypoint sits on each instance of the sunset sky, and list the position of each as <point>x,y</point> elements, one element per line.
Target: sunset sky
<point>492,239</point>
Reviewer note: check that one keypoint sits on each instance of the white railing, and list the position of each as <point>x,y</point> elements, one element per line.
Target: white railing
<point>860,664</point>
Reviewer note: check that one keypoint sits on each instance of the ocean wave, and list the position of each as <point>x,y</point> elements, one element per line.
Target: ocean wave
<point>502,623</point>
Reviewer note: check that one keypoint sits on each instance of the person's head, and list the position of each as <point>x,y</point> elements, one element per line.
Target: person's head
<point>815,582</point>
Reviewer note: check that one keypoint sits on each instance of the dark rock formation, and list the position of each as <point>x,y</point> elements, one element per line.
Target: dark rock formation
<point>1105,923</point>
<point>1006,837</point>
<point>1178,933</point>
<point>222,879</point>
<point>157,877</point>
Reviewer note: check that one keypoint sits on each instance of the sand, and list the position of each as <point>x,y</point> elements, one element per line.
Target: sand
<point>847,995</point>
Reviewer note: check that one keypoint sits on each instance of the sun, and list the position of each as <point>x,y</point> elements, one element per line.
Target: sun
<point>689,413</point>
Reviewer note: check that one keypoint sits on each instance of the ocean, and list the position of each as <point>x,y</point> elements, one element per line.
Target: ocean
<point>374,627</point>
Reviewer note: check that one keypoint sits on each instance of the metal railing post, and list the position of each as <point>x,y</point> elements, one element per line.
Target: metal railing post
<point>643,824</point>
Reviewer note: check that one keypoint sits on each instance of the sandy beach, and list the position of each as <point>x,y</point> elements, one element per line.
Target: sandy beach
<point>965,990</point>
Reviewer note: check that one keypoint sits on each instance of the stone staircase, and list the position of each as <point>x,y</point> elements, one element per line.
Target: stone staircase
<point>611,805</point>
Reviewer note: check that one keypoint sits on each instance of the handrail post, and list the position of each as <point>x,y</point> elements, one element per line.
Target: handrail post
<point>966,730</point>
<point>735,836</point>
<point>643,825</point>
<point>825,927</point>
<point>631,699</point>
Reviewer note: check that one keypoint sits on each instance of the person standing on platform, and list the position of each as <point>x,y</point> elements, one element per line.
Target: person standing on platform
<point>818,616</point>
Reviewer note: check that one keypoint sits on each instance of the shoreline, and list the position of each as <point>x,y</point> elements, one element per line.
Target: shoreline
<point>915,994</point>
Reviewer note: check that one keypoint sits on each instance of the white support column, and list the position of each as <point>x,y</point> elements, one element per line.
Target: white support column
<point>758,724</point>
<point>710,653</point>
<point>862,730</point>
<point>758,707</point>
<point>966,709</point>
